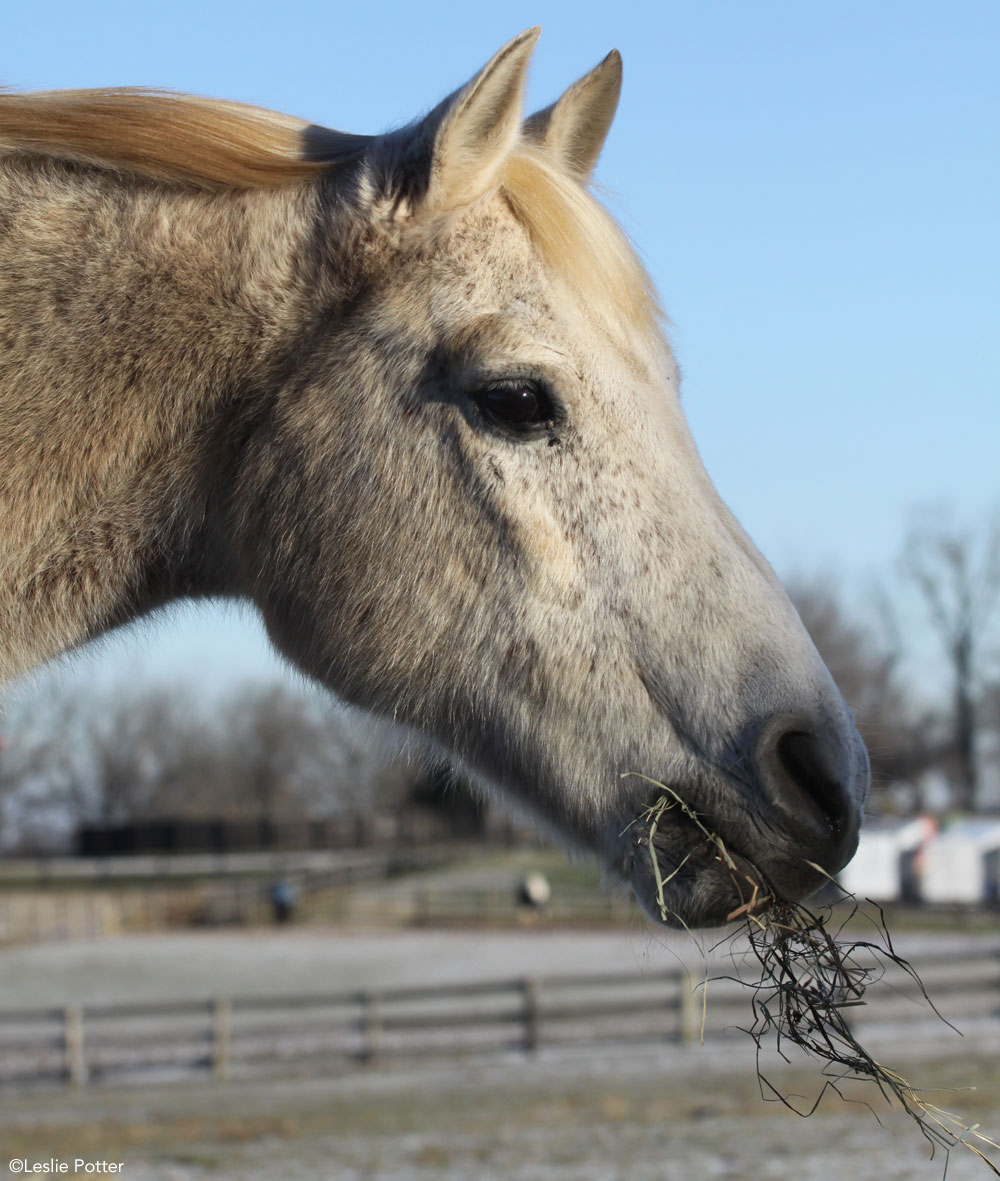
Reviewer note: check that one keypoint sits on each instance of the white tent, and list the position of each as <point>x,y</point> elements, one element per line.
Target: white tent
<point>963,864</point>
<point>886,863</point>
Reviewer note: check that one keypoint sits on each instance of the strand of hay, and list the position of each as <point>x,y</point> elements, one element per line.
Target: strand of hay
<point>808,979</point>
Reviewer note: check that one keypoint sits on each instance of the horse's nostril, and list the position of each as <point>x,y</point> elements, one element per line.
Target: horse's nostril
<point>812,766</point>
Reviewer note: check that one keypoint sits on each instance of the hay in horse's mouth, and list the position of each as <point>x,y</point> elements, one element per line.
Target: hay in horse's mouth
<point>745,876</point>
<point>807,976</point>
<point>696,877</point>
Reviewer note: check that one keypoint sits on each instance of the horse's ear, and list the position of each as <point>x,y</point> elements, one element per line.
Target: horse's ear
<point>576,125</point>
<point>477,127</point>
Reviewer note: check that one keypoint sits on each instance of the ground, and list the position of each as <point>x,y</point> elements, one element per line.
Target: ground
<point>673,1115</point>
<point>645,1111</point>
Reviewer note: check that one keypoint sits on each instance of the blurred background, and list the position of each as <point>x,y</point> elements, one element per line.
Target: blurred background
<point>814,190</point>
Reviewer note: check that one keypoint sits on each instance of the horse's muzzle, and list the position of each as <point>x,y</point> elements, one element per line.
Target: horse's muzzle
<point>816,780</point>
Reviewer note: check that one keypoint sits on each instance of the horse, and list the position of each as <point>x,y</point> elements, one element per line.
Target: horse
<point>411,395</point>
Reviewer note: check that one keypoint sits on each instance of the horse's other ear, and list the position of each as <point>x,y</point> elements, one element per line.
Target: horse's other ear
<point>576,125</point>
<point>477,127</point>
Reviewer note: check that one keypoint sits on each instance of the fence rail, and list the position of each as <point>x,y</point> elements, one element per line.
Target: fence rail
<point>94,897</point>
<point>233,1037</point>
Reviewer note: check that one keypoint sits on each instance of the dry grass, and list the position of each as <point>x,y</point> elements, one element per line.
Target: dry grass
<point>807,976</point>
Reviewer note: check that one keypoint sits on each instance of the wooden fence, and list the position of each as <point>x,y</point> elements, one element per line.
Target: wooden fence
<point>328,1034</point>
<point>31,916</point>
<point>79,898</point>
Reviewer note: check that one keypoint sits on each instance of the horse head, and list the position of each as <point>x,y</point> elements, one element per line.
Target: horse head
<point>478,511</point>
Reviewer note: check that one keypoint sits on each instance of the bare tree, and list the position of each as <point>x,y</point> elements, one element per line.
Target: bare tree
<point>862,662</point>
<point>270,745</point>
<point>104,758</point>
<point>957,574</point>
<point>282,751</point>
<point>990,717</point>
<point>39,772</point>
<point>265,753</point>
<point>137,747</point>
<point>864,659</point>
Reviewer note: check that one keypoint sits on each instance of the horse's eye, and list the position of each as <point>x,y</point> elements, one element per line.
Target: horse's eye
<point>519,405</point>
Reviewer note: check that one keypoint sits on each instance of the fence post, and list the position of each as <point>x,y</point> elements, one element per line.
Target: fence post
<point>371,1027</point>
<point>532,1031</point>
<point>76,1062</point>
<point>220,1038</point>
<point>688,1017</point>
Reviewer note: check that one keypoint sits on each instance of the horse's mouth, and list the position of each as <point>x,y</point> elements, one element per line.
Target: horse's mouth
<point>685,874</point>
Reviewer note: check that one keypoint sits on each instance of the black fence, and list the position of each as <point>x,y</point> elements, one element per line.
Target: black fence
<point>405,826</point>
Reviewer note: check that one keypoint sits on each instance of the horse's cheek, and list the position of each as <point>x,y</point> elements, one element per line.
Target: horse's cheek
<point>549,553</point>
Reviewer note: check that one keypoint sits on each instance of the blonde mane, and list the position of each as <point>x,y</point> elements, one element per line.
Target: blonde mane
<point>171,137</point>
<point>215,144</point>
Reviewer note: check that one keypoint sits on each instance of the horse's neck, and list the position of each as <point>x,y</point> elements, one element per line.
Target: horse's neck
<point>131,320</point>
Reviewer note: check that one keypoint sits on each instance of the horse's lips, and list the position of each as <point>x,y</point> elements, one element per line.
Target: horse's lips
<point>715,887</point>
<point>693,876</point>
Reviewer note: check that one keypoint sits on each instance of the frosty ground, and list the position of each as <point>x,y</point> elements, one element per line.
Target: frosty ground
<point>641,1111</point>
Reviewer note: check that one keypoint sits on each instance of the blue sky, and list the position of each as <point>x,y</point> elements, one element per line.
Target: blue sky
<point>815,188</point>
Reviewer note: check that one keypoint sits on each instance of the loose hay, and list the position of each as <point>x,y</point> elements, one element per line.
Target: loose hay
<point>808,975</point>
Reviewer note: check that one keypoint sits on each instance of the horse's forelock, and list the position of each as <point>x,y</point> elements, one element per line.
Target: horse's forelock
<point>579,240</point>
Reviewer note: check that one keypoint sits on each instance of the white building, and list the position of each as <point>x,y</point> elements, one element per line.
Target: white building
<point>888,863</point>
<point>963,864</point>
